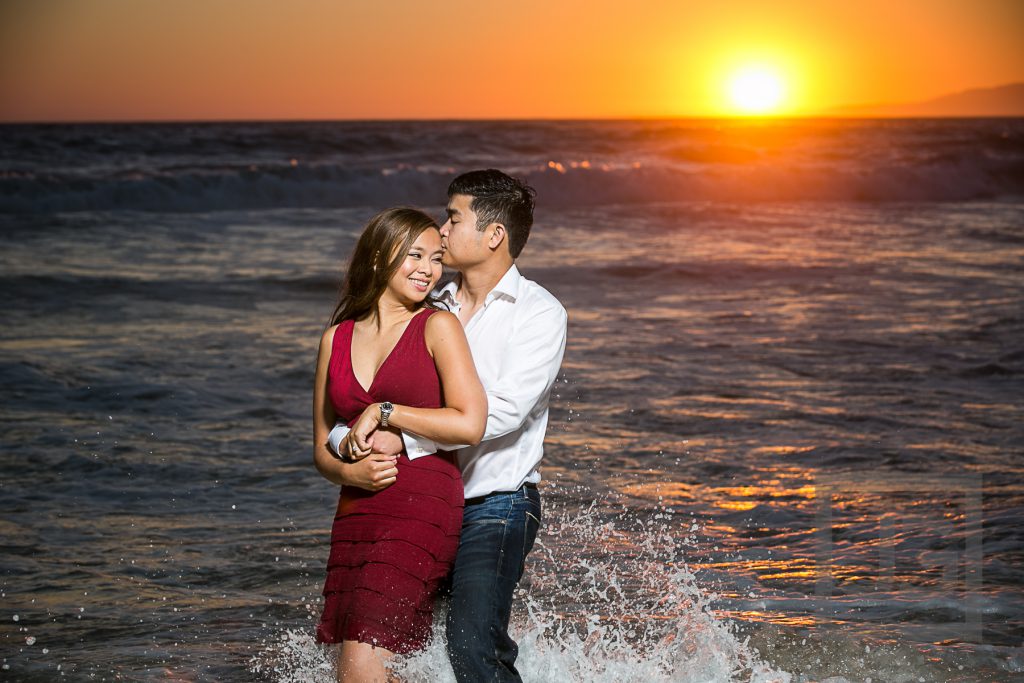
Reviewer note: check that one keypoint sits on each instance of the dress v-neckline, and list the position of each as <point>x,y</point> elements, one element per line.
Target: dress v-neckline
<point>352,366</point>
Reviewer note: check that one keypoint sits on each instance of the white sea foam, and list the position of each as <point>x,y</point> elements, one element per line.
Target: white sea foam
<point>609,598</point>
<point>605,603</point>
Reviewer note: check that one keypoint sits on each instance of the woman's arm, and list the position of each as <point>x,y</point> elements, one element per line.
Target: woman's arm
<point>464,415</point>
<point>372,473</point>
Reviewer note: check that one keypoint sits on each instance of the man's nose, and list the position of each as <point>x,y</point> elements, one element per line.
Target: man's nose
<point>445,228</point>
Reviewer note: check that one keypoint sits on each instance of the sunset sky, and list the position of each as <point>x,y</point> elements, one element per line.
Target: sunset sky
<point>87,60</point>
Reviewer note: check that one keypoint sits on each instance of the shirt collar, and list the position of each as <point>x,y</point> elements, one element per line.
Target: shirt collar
<point>446,295</point>
<point>507,287</point>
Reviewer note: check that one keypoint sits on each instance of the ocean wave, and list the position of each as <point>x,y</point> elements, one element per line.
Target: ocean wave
<point>228,187</point>
<point>209,167</point>
<point>209,189</point>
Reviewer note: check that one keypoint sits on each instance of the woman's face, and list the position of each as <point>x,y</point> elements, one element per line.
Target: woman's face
<point>420,270</point>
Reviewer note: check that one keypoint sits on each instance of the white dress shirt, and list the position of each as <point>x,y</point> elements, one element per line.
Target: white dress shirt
<point>517,339</point>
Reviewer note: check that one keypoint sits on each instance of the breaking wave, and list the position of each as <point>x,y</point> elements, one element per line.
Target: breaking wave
<point>193,168</point>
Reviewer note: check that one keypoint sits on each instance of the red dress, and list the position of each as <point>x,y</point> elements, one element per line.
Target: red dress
<point>390,549</point>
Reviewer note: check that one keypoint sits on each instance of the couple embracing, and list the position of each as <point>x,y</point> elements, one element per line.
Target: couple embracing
<point>441,402</point>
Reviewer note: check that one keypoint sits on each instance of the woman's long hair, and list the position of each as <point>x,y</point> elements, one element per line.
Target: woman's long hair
<point>378,254</point>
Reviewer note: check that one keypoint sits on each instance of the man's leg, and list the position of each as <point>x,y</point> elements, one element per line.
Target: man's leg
<point>497,534</point>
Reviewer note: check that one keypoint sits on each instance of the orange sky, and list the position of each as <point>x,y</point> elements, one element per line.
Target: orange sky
<point>80,60</point>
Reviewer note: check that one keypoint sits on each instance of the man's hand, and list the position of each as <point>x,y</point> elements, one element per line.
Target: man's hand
<point>373,473</point>
<point>387,441</point>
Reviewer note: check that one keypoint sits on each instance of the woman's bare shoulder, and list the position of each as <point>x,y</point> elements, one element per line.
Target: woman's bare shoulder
<point>443,321</point>
<point>327,338</point>
<point>441,326</point>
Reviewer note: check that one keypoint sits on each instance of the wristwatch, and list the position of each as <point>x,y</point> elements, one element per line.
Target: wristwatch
<point>386,408</point>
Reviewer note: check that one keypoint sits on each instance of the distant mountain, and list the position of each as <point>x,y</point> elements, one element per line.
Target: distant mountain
<point>1004,100</point>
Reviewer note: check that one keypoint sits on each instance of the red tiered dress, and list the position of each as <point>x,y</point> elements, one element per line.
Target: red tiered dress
<point>390,549</point>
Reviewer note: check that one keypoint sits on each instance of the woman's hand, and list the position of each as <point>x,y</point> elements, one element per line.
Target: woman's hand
<point>347,450</point>
<point>374,473</point>
<point>359,437</point>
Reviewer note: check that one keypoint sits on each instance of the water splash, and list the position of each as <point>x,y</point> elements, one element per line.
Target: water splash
<point>294,657</point>
<point>607,598</point>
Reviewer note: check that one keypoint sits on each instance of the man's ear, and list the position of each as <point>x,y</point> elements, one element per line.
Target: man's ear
<point>498,235</point>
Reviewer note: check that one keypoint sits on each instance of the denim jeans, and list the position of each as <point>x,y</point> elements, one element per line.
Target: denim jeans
<point>497,534</point>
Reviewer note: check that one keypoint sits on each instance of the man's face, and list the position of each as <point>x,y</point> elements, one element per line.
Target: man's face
<point>463,244</point>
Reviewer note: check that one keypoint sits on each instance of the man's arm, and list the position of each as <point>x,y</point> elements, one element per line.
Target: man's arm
<point>534,357</point>
<point>383,441</point>
<point>535,354</point>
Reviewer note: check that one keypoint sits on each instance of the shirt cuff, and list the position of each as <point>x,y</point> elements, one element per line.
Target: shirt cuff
<point>417,446</point>
<point>336,436</point>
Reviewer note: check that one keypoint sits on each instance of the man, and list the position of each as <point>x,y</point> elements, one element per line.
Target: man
<point>516,331</point>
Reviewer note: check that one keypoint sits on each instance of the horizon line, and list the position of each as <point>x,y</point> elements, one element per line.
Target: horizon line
<point>683,117</point>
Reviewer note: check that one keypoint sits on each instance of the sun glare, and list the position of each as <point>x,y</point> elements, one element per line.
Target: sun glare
<point>756,90</point>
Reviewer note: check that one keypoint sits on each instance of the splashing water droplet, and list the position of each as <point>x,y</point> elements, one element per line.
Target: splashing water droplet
<point>609,598</point>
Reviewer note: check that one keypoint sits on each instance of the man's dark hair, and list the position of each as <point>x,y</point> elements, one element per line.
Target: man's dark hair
<point>499,198</point>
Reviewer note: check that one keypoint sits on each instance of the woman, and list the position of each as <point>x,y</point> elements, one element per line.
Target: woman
<point>382,364</point>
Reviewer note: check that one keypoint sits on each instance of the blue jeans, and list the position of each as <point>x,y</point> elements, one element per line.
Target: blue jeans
<point>497,533</point>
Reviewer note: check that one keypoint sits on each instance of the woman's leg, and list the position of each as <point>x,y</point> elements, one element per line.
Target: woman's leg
<point>362,663</point>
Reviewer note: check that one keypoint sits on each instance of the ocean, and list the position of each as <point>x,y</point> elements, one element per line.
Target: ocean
<point>786,442</point>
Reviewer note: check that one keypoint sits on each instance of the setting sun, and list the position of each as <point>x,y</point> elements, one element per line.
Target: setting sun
<point>756,90</point>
